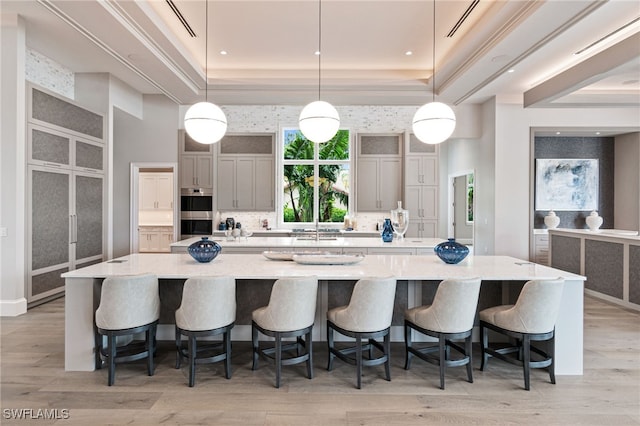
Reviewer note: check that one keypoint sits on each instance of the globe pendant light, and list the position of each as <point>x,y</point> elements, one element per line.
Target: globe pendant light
<point>205,122</point>
<point>434,122</point>
<point>319,121</point>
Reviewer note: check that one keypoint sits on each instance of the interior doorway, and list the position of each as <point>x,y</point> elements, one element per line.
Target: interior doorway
<point>461,206</point>
<point>154,207</point>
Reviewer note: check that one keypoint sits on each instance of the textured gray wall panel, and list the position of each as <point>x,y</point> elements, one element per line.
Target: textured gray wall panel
<point>47,281</point>
<point>603,267</point>
<point>565,253</point>
<point>247,144</point>
<point>49,147</point>
<point>380,145</point>
<point>89,213</point>
<point>634,274</point>
<point>64,114</point>
<point>50,219</point>
<point>89,156</point>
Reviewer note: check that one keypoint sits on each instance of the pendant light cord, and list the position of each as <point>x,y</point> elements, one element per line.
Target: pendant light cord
<point>433,76</point>
<point>206,52</point>
<point>319,42</point>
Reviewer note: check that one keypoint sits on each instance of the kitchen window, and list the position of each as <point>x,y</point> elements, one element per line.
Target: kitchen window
<point>316,178</point>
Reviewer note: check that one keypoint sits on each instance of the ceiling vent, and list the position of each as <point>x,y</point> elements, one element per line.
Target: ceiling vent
<point>183,21</point>
<point>463,18</point>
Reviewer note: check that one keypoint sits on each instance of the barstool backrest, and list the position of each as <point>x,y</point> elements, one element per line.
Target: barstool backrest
<point>292,304</point>
<point>454,306</point>
<point>371,305</point>
<point>536,309</point>
<point>207,303</point>
<point>128,301</point>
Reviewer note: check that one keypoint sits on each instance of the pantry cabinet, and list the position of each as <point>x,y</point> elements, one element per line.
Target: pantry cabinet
<point>65,182</point>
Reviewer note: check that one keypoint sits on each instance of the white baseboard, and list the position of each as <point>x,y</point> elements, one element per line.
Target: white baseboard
<point>13,308</point>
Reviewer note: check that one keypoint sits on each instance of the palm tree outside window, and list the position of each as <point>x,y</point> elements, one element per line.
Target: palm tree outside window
<point>316,178</point>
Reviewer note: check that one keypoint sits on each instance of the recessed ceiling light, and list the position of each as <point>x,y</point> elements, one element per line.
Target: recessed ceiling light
<point>223,52</point>
<point>557,133</point>
<point>511,70</point>
<point>317,53</point>
<point>408,53</point>
<point>597,133</point>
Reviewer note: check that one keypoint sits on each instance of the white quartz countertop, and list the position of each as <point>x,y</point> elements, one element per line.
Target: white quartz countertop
<point>256,266</point>
<point>613,233</point>
<point>302,243</point>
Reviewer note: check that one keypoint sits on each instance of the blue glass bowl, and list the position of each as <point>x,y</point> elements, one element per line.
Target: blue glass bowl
<point>451,252</point>
<point>204,250</point>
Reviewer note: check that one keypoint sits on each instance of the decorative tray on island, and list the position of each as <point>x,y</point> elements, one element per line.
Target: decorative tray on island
<point>288,255</point>
<point>327,259</point>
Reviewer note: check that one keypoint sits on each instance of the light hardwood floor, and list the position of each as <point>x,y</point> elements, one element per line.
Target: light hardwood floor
<point>33,377</point>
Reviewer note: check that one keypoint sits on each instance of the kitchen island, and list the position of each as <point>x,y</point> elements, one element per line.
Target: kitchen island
<point>502,279</point>
<point>336,245</point>
<point>608,258</point>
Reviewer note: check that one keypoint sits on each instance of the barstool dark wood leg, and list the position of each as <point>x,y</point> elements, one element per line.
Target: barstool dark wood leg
<point>112,358</point>
<point>551,353</point>
<point>442,343</point>
<point>469,350</point>
<point>227,350</point>
<point>408,344</point>
<point>98,344</point>
<point>254,342</point>
<point>278,358</point>
<point>151,343</point>
<point>178,348</point>
<point>330,346</point>
<point>359,361</point>
<point>387,353</point>
<point>484,343</point>
<point>309,347</point>
<point>526,351</point>
<point>192,361</point>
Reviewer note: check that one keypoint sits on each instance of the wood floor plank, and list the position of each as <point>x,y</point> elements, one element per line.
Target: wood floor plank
<point>32,376</point>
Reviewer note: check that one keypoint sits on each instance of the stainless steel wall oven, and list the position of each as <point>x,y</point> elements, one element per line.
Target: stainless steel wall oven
<point>196,212</point>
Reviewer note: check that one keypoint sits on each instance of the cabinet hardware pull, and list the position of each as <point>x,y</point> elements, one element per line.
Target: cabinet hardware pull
<point>52,164</point>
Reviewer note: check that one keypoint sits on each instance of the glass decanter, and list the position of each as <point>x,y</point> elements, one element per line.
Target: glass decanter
<point>400,220</point>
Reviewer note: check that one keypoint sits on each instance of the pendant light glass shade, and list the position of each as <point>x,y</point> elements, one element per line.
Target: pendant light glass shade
<point>319,121</point>
<point>205,122</point>
<point>434,122</point>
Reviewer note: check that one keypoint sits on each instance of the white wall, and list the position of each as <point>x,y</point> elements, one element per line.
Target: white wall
<point>152,139</point>
<point>513,203</point>
<point>627,182</point>
<point>12,167</point>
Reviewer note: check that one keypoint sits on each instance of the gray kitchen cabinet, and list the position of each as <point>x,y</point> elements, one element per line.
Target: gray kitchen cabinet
<point>196,162</point>
<point>378,172</point>
<point>245,183</point>
<point>66,204</point>
<point>421,188</point>
<point>245,173</point>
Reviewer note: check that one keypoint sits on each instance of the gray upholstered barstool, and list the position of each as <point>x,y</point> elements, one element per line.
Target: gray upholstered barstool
<point>367,316</point>
<point>532,318</point>
<point>450,317</point>
<point>128,305</point>
<point>290,313</point>
<point>208,308</point>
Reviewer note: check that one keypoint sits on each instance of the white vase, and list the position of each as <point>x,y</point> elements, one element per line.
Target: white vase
<point>400,220</point>
<point>551,220</point>
<point>594,221</point>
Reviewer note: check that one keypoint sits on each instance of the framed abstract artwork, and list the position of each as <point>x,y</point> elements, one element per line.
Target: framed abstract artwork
<point>566,184</point>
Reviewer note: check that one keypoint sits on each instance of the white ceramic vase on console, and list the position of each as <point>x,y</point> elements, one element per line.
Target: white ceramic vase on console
<point>551,220</point>
<point>594,221</point>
